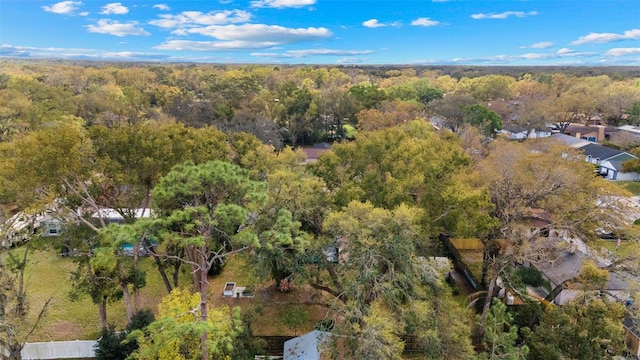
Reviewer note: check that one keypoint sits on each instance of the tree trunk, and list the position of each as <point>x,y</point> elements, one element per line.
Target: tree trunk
<point>14,350</point>
<point>203,286</point>
<point>176,273</point>
<point>159,266</point>
<point>102,309</point>
<point>127,300</point>
<point>126,296</point>
<point>487,305</point>
<point>136,289</point>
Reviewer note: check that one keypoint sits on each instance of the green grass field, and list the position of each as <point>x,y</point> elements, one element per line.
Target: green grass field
<point>632,186</point>
<point>47,276</point>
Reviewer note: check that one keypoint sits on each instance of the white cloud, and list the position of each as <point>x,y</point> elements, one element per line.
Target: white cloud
<point>312,52</point>
<point>71,53</point>
<point>279,4</point>
<point>261,33</point>
<point>565,51</point>
<point>561,53</point>
<point>163,7</point>
<point>106,26</point>
<point>607,37</point>
<point>84,13</point>
<point>63,7</point>
<point>350,60</point>
<point>114,8</point>
<point>539,45</point>
<point>373,23</point>
<point>188,45</point>
<point>245,37</point>
<point>534,56</point>
<point>195,18</point>
<point>622,51</point>
<point>424,21</point>
<point>504,15</point>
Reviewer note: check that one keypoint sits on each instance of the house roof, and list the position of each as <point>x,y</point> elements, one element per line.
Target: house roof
<point>568,265</point>
<point>582,129</point>
<point>313,154</point>
<point>600,152</point>
<point>632,325</point>
<point>571,141</point>
<point>630,128</point>
<point>305,347</point>
<point>617,161</point>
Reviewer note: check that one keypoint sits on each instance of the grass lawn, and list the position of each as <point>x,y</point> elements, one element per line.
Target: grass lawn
<point>270,307</point>
<point>47,276</point>
<point>627,247</point>
<point>631,186</point>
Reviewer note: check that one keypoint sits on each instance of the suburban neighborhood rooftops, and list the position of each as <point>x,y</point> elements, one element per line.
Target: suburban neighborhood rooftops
<point>600,152</point>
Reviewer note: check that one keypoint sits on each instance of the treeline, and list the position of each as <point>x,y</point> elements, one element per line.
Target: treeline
<point>301,105</point>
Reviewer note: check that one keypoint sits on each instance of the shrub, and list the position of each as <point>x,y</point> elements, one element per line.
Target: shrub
<point>531,276</point>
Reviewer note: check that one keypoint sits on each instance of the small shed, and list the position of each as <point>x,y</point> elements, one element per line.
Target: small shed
<point>306,347</point>
<point>229,289</point>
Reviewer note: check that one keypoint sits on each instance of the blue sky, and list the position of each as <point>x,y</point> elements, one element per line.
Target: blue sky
<point>418,32</point>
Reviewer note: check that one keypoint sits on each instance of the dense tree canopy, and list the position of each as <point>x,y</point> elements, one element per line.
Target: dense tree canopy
<point>209,148</point>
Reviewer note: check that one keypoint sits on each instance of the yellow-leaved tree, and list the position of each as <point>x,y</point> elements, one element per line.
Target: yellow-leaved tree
<point>177,332</point>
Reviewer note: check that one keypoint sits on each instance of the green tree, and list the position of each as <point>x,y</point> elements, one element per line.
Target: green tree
<point>180,330</point>
<point>17,322</point>
<point>201,208</point>
<point>525,179</point>
<point>382,289</point>
<point>484,119</point>
<point>410,164</point>
<point>579,331</point>
<point>500,335</point>
<point>368,95</point>
<point>451,110</point>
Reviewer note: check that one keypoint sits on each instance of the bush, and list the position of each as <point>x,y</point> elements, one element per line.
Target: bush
<point>112,344</point>
<point>531,276</point>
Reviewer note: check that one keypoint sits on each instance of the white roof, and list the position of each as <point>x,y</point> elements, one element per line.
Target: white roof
<point>113,214</point>
<point>305,347</point>
<point>630,128</point>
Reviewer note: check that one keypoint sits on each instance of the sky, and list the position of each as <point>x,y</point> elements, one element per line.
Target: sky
<point>408,32</point>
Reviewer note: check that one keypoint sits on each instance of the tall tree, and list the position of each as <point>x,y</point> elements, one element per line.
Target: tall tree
<point>382,289</point>
<point>501,335</point>
<point>524,179</point>
<point>206,209</point>
<point>579,330</point>
<point>17,322</point>
<point>178,330</point>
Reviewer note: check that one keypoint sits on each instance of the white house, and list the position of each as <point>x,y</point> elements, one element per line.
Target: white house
<point>512,132</point>
<point>608,160</point>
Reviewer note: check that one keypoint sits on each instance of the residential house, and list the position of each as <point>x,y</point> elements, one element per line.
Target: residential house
<point>563,273</point>
<point>313,153</point>
<point>591,133</point>
<point>630,129</point>
<point>608,160</point>
<point>632,333</point>
<point>514,132</point>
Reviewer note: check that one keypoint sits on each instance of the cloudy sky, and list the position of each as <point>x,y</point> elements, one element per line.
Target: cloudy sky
<point>474,32</point>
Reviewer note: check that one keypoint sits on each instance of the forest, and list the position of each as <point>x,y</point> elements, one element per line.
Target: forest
<point>203,166</point>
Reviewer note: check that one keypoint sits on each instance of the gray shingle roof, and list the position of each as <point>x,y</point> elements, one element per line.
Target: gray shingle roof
<point>600,152</point>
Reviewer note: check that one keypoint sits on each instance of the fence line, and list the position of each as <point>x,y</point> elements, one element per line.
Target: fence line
<point>78,349</point>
